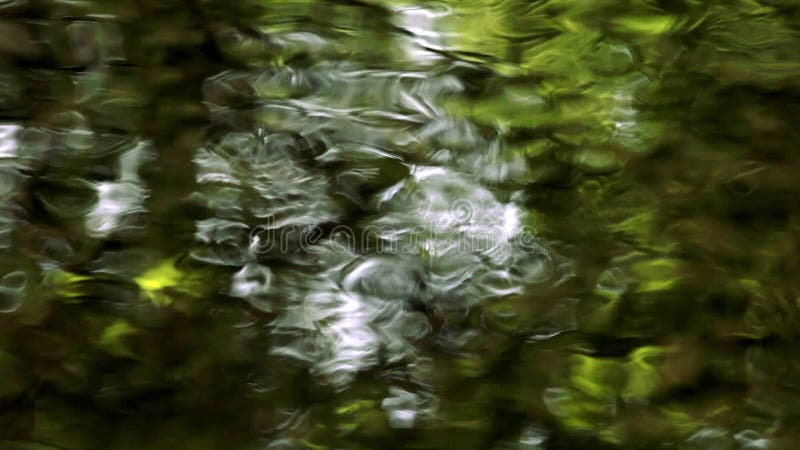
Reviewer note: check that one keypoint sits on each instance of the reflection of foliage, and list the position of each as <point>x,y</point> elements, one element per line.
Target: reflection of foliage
<point>157,283</point>
<point>597,385</point>
<point>112,338</point>
<point>696,229</point>
<point>659,150</point>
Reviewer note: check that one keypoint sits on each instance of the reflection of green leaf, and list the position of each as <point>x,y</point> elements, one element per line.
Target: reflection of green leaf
<point>157,282</point>
<point>159,277</point>
<point>470,366</point>
<point>590,400</point>
<point>652,24</point>
<point>597,160</point>
<point>656,274</point>
<point>355,406</point>
<point>643,378</point>
<point>66,284</point>
<point>308,444</point>
<point>361,415</point>
<point>640,224</point>
<point>595,377</point>
<point>642,227</point>
<point>112,338</point>
<point>597,384</point>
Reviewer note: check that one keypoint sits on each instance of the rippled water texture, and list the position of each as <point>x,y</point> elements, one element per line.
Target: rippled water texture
<point>387,224</point>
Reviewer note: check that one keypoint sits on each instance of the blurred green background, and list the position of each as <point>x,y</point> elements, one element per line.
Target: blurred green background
<point>652,144</point>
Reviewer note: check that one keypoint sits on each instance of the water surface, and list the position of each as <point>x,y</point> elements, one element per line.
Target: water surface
<point>392,224</point>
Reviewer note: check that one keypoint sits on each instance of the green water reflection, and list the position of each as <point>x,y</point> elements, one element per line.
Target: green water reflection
<point>651,146</point>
